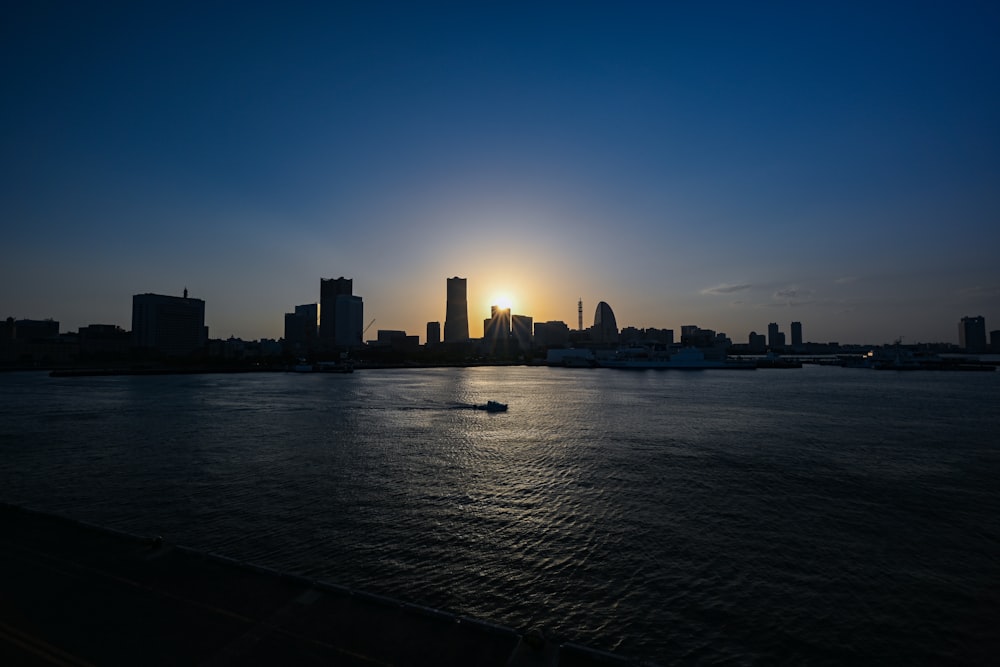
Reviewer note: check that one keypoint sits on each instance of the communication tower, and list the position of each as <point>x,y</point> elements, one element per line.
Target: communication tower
<point>579,315</point>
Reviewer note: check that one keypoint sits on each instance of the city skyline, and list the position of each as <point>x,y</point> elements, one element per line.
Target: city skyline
<point>726,167</point>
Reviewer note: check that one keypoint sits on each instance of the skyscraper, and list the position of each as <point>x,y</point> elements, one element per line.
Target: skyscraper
<point>972,334</point>
<point>456,320</point>
<point>329,290</point>
<point>796,334</point>
<point>341,313</point>
<point>349,320</point>
<point>775,339</point>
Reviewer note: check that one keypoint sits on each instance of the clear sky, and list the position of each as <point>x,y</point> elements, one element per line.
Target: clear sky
<point>720,164</point>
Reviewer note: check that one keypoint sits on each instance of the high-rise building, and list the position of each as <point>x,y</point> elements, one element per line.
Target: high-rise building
<point>605,326</point>
<point>349,320</point>
<point>502,318</point>
<point>496,330</point>
<point>168,325</point>
<point>972,334</point>
<point>329,291</point>
<point>796,334</point>
<point>775,338</point>
<point>757,342</point>
<point>456,320</point>
<point>433,333</point>
<point>521,327</point>
<point>302,329</point>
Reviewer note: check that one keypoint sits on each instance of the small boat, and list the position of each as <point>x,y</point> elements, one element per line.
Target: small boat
<point>494,406</point>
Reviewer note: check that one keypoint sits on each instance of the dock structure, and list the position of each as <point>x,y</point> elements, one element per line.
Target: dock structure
<point>76,594</point>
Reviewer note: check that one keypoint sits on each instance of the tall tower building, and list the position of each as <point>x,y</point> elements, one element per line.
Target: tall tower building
<point>796,334</point>
<point>456,320</point>
<point>775,338</point>
<point>341,313</point>
<point>329,290</point>
<point>972,334</point>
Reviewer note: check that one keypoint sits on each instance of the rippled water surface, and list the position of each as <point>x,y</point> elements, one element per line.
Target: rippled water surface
<point>812,516</point>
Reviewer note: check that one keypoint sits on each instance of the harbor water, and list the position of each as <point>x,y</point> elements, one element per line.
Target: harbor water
<point>809,516</point>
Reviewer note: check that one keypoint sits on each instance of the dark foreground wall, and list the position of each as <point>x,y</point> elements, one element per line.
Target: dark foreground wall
<point>75,594</point>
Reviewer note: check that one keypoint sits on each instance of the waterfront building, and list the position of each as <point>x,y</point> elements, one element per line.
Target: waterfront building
<point>995,341</point>
<point>168,325</point>
<point>648,337</point>
<point>605,327</point>
<point>496,330</point>
<point>395,340</point>
<point>104,340</point>
<point>796,334</point>
<point>521,329</point>
<point>972,334</point>
<point>349,321</point>
<point>35,330</point>
<point>775,338</point>
<point>757,343</point>
<point>433,333</point>
<point>695,336</point>
<point>551,334</point>
<point>329,291</point>
<point>302,329</point>
<point>456,320</point>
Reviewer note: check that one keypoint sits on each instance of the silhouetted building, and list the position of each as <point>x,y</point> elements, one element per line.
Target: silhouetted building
<point>396,340</point>
<point>36,330</point>
<point>104,341</point>
<point>551,334</point>
<point>796,334</point>
<point>496,330</point>
<point>972,334</point>
<point>605,326</point>
<point>646,337</point>
<point>995,341</point>
<point>350,315</point>
<point>332,290</point>
<point>775,338</point>
<point>456,320</point>
<point>520,326</point>
<point>433,333</point>
<point>168,325</point>
<point>695,336</point>
<point>302,329</point>
<point>757,343</point>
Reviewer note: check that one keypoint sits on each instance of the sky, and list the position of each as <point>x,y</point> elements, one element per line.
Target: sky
<point>719,164</point>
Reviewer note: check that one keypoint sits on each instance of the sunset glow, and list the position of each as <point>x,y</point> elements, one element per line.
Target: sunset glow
<point>502,301</point>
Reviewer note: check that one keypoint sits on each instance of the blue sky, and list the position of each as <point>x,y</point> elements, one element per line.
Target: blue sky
<point>726,165</point>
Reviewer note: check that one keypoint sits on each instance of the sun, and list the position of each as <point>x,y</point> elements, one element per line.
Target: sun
<point>502,301</point>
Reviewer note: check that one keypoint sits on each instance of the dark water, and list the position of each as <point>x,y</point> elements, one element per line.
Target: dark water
<point>814,516</point>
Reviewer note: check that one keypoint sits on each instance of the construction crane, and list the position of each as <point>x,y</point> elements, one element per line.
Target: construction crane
<point>365,330</point>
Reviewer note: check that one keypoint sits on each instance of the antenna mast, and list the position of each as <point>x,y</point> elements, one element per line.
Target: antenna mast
<point>579,315</point>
